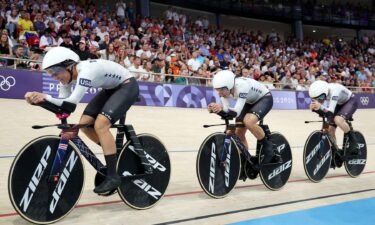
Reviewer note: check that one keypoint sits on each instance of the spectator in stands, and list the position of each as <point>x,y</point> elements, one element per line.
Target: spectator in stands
<point>194,63</point>
<point>104,44</point>
<point>5,49</point>
<point>108,53</point>
<point>121,9</point>
<point>158,66</point>
<point>182,78</point>
<point>83,52</point>
<point>136,68</point>
<point>147,66</point>
<point>288,82</point>
<point>26,48</point>
<point>121,56</point>
<point>302,85</point>
<point>145,49</point>
<point>101,32</point>
<point>93,40</point>
<point>12,21</point>
<point>65,26</point>
<point>20,62</point>
<point>47,41</point>
<point>25,24</point>
<point>2,22</point>
<point>38,24</point>
<point>67,41</point>
<point>245,73</point>
<point>94,52</point>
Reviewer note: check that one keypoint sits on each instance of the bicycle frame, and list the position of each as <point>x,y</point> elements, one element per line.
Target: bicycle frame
<point>239,143</point>
<point>122,130</point>
<point>332,141</point>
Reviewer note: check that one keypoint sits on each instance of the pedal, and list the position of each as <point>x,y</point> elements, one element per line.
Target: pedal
<point>333,166</point>
<point>242,176</point>
<point>251,172</point>
<point>338,162</point>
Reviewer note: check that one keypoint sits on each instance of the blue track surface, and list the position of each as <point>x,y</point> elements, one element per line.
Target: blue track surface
<point>358,212</point>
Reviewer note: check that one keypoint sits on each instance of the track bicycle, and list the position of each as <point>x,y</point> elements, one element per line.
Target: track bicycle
<point>46,178</point>
<point>321,152</point>
<point>223,159</point>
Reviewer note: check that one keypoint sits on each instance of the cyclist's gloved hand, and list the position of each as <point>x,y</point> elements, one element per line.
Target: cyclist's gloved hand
<point>227,115</point>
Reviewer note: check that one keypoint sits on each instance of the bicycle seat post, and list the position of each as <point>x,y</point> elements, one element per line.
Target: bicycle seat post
<point>63,118</point>
<point>325,124</point>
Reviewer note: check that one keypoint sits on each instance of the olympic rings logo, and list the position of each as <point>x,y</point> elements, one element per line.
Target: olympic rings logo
<point>7,83</point>
<point>364,100</point>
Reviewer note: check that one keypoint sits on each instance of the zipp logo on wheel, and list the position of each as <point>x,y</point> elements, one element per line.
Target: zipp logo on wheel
<point>357,162</point>
<point>62,181</point>
<point>155,164</point>
<point>280,148</point>
<point>7,82</point>
<point>280,169</point>
<point>313,152</point>
<point>320,164</point>
<point>33,184</point>
<point>211,185</point>
<point>227,165</point>
<point>142,184</point>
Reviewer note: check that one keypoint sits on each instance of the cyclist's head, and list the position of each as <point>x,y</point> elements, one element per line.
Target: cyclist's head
<point>58,60</point>
<point>223,79</point>
<point>318,90</point>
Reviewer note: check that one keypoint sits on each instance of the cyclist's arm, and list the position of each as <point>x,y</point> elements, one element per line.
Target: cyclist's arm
<point>240,103</point>
<point>225,102</point>
<point>65,91</point>
<point>74,98</point>
<point>332,103</point>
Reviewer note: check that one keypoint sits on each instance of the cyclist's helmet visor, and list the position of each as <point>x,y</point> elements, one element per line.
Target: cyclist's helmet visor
<point>55,70</point>
<point>321,98</point>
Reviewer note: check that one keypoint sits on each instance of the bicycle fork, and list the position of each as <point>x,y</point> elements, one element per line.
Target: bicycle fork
<point>56,166</point>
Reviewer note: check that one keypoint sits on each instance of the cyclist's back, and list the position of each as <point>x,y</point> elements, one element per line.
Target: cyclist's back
<point>98,73</point>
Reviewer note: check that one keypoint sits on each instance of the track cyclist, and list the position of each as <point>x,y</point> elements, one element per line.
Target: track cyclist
<point>253,102</point>
<point>341,107</point>
<point>119,92</point>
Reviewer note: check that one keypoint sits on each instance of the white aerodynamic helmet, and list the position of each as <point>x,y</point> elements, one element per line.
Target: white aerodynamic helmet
<point>59,56</point>
<point>318,88</point>
<point>224,78</point>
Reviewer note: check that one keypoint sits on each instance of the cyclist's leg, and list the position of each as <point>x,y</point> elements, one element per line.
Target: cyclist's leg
<point>107,141</point>
<point>241,132</point>
<point>89,132</point>
<point>346,112</point>
<point>257,112</point>
<point>92,111</point>
<point>332,131</point>
<point>250,121</point>
<point>241,127</point>
<point>116,107</point>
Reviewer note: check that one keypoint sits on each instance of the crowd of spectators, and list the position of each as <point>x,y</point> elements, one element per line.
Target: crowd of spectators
<point>347,12</point>
<point>176,48</point>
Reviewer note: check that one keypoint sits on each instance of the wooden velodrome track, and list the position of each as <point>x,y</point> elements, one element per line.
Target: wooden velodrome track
<point>181,131</point>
